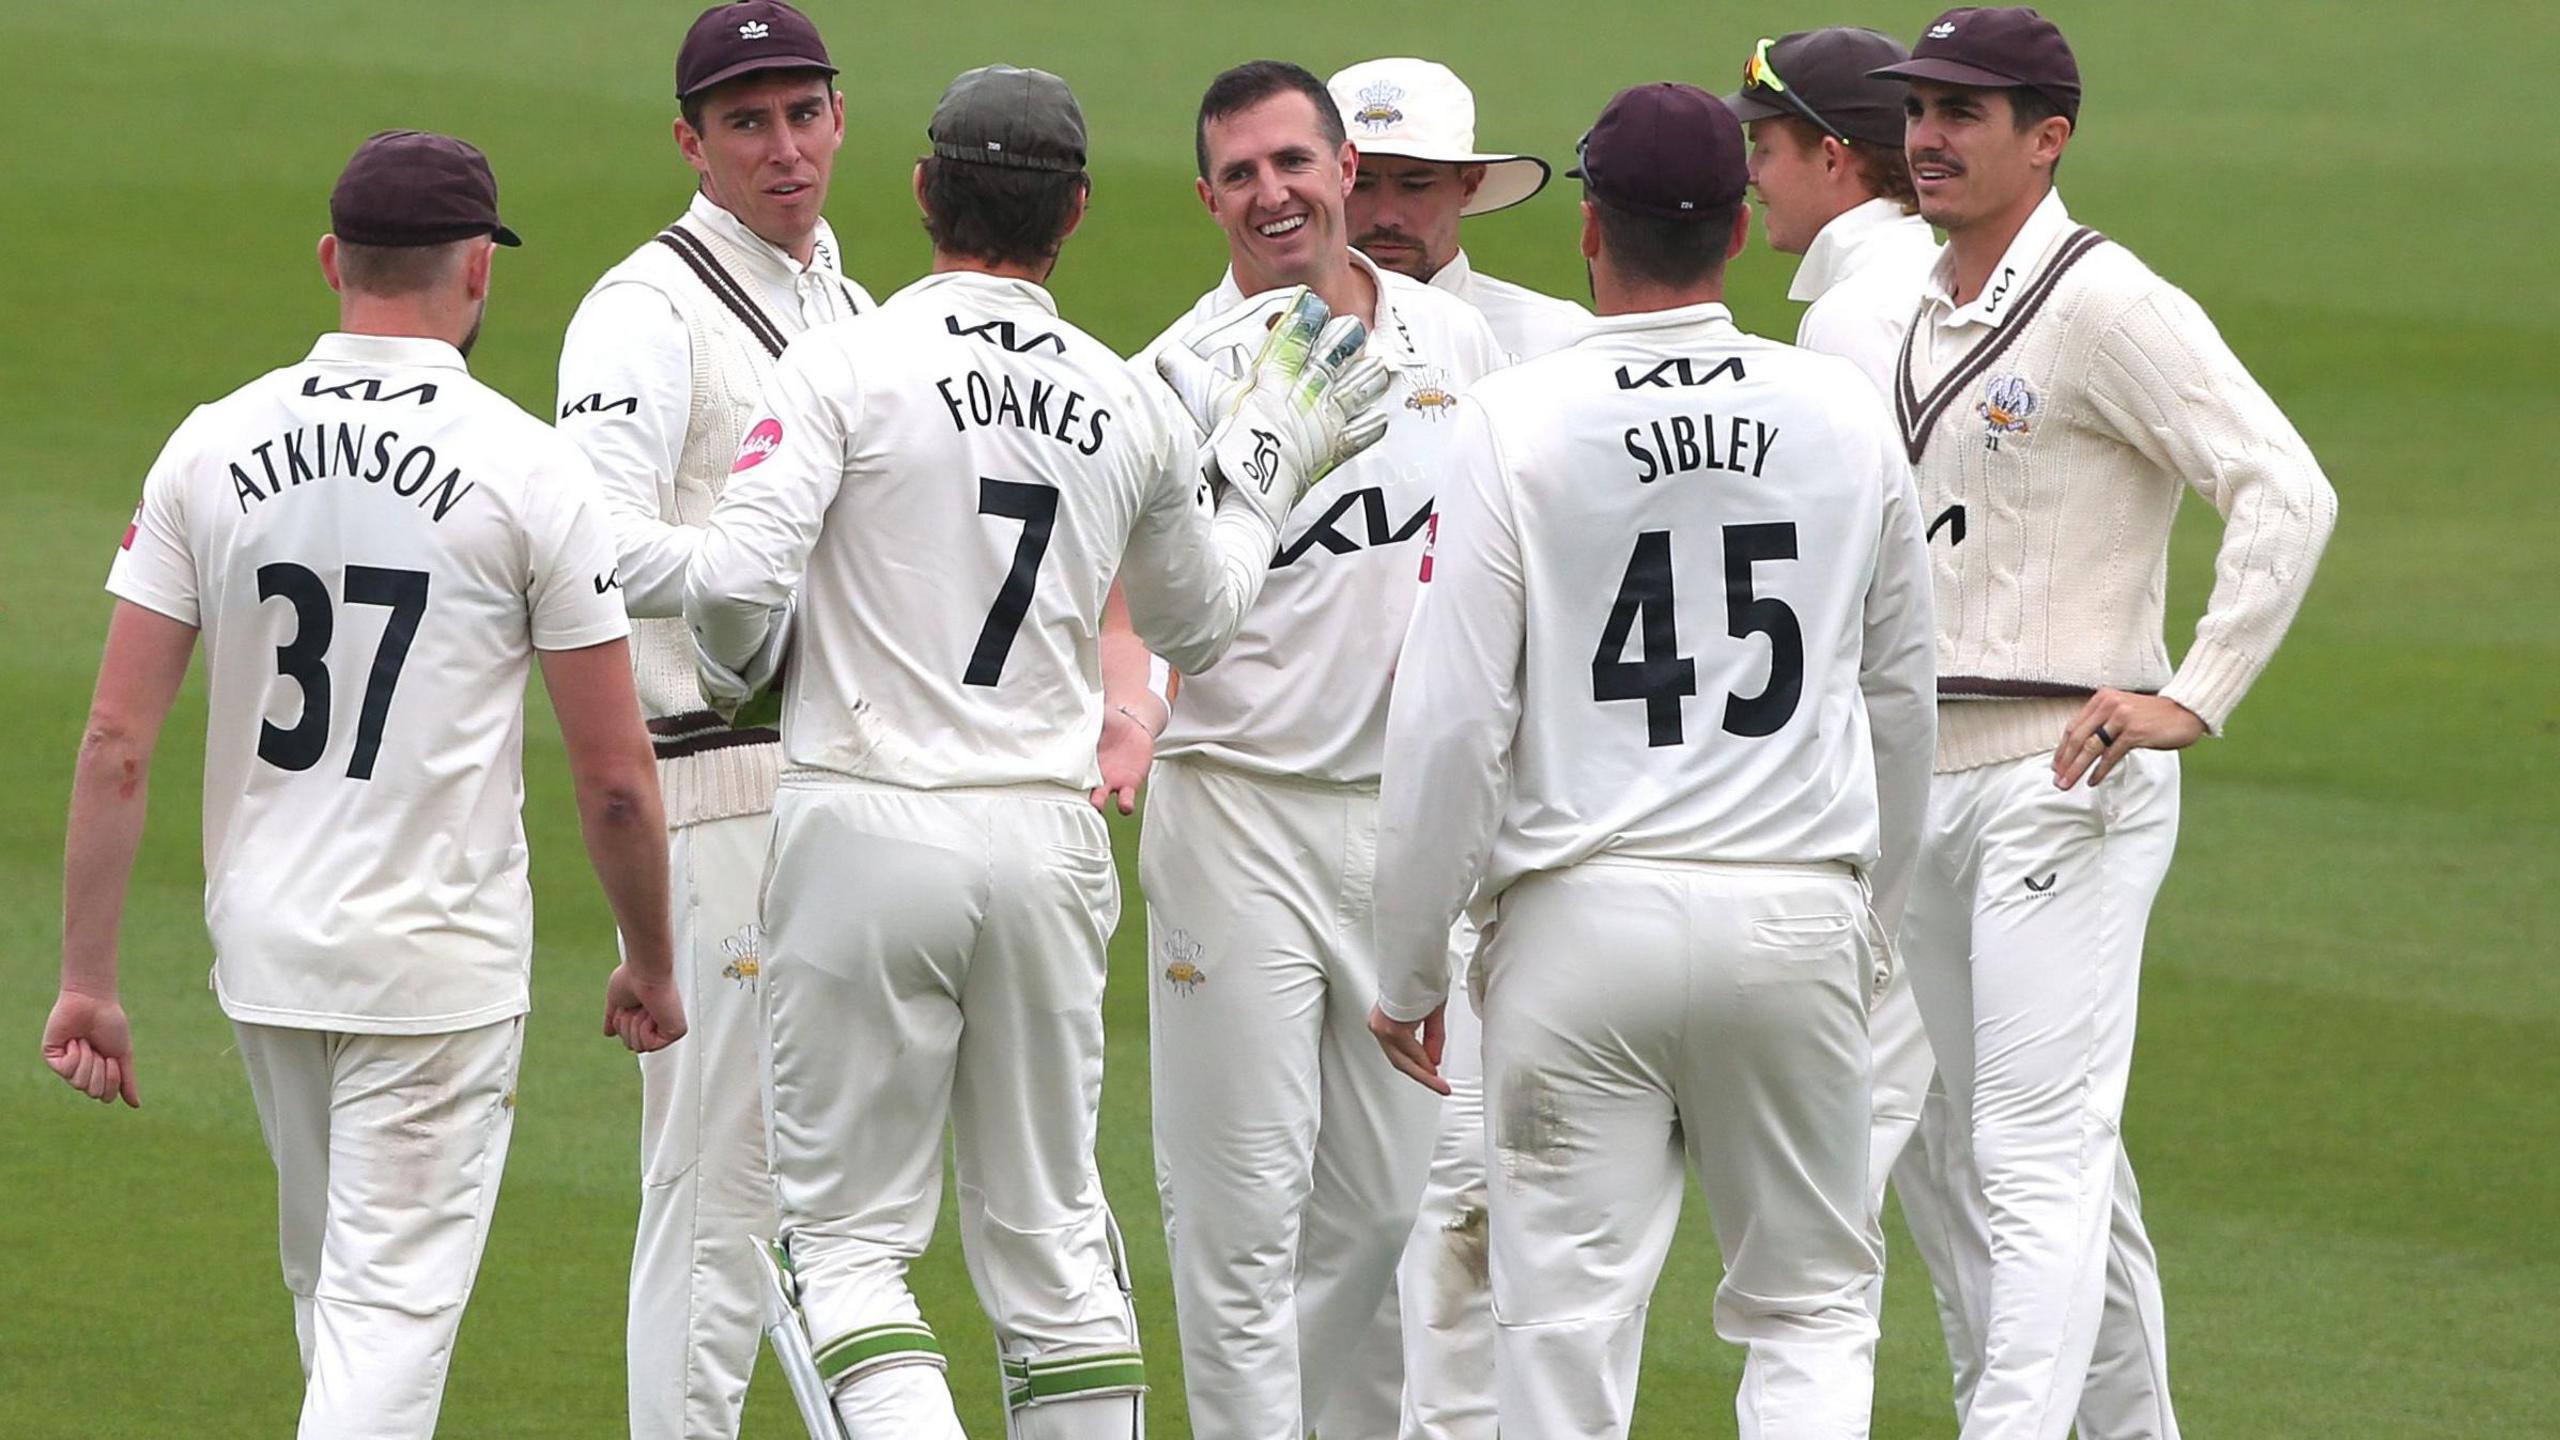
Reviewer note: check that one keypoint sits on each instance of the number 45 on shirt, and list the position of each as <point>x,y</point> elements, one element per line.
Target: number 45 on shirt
<point>1661,676</point>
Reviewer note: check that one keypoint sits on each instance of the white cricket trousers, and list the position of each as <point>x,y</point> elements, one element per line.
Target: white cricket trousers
<point>1289,1154</point>
<point>1906,1147</point>
<point>694,1324</point>
<point>388,1150</point>
<point>1637,1014</point>
<point>936,958</point>
<point>2024,939</point>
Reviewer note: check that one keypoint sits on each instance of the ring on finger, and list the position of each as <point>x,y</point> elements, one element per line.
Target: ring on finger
<point>2105,738</point>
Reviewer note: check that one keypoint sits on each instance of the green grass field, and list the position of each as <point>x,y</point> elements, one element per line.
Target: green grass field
<point>2343,1109</point>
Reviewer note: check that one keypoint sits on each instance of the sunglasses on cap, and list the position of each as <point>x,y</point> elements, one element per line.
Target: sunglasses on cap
<point>1759,74</point>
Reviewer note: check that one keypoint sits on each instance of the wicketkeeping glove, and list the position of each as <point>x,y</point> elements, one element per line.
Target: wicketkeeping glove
<point>1304,405</point>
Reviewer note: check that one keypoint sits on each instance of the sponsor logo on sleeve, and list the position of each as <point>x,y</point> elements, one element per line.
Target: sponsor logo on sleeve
<point>760,443</point>
<point>132,528</point>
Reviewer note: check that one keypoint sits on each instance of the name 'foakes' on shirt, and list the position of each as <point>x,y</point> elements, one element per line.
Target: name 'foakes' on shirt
<point>976,399</point>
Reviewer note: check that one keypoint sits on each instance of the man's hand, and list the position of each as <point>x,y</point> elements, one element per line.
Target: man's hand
<point>751,696</point>
<point>1415,1047</point>
<point>643,1014</point>
<point>1127,749</point>
<point>2114,722</point>
<point>1306,404</point>
<point>89,1044</point>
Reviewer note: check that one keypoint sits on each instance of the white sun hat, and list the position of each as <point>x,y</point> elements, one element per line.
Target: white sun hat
<point>1421,110</point>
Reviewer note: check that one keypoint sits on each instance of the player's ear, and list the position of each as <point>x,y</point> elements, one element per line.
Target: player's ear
<point>918,182</point>
<point>475,267</point>
<point>2053,133</point>
<point>329,263</point>
<point>1741,235</point>
<point>839,109</point>
<point>689,145</point>
<point>1470,180</point>
<point>1075,213</point>
<point>1590,232</point>
<point>1835,155</point>
<point>1208,197</point>
<point>1349,155</point>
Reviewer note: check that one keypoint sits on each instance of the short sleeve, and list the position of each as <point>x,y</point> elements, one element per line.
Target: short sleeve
<point>155,566</point>
<point>574,594</point>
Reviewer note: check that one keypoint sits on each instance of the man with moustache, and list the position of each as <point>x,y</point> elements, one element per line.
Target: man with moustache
<point>1289,1156</point>
<point>662,370</point>
<point>1414,122</point>
<point>2057,398</point>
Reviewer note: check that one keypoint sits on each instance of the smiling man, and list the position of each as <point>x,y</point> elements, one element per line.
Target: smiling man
<point>2057,398</point>
<point>663,369</point>
<point>1291,1158</point>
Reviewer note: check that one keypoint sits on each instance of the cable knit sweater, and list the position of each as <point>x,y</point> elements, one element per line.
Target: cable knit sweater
<point>2053,424</point>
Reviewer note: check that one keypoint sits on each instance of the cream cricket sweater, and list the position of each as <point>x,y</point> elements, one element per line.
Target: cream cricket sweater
<point>2053,425</point>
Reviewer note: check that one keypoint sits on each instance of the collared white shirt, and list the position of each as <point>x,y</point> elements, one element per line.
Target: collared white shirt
<point>1862,276</point>
<point>1948,330</point>
<point>1303,693</point>
<point>373,545</point>
<point>1679,610</point>
<point>626,388</point>
<point>1527,323</point>
<point>948,485</point>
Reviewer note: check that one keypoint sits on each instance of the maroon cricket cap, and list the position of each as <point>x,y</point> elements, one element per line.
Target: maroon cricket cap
<point>728,41</point>
<point>1826,77</point>
<point>1995,48</point>
<point>1665,149</point>
<point>411,187</point>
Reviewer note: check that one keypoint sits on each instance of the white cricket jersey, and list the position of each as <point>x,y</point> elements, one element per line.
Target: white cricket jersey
<point>373,545</point>
<point>1527,323</point>
<point>958,475</point>
<point>1303,694</point>
<point>1679,610</point>
<point>1863,275</point>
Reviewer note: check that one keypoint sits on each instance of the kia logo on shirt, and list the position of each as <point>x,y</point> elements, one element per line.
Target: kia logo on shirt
<point>760,442</point>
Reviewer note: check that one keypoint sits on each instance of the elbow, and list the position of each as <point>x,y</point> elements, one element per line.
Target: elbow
<point>626,800</point>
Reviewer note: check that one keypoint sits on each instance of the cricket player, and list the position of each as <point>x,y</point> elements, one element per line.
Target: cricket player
<point>1665,704</point>
<point>1414,123</point>
<point>663,369</point>
<point>1289,1158</point>
<point>375,547</point>
<point>1428,1370</point>
<point>2056,398</point>
<point>948,486</point>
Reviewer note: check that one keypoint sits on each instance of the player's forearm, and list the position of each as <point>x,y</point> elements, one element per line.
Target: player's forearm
<point>1128,668</point>
<point>1191,615</point>
<point>110,795</point>
<point>653,557</point>
<point>626,836</point>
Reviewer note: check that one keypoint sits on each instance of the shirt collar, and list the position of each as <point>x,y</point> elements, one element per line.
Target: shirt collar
<point>1838,249</point>
<point>783,270</point>
<point>338,347</point>
<point>1713,317</point>
<point>1458,277</point>
<point>2045,224</point>
<point>1390,340</point>
<point>998,288</point>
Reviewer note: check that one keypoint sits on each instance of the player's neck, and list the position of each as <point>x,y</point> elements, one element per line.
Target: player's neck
<point>402,318</point>
<point>1615,294</point>
<point>1978,247</point>
<point>946,263</point>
